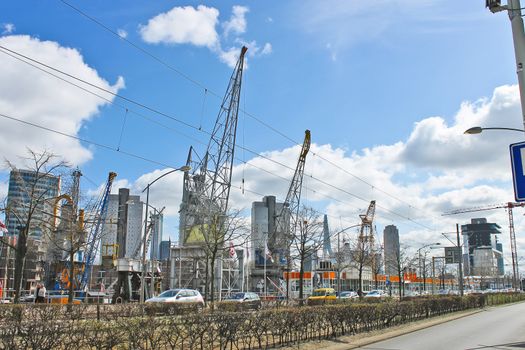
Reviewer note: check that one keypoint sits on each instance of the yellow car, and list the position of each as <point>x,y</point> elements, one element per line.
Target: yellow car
<point>321,295</point>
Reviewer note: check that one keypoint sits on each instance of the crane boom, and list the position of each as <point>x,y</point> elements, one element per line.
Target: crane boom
<point>207,188</point>
<point>95,232</point>
<point>291,204</point>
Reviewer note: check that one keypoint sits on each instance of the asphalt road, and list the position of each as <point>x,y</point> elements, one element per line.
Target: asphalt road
<point>494,328</point>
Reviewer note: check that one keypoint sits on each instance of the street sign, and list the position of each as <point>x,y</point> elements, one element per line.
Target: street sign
<point>517,158</point>
<point>452,255</point>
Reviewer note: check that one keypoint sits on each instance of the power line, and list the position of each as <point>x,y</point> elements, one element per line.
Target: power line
<point>207,90</point>
<point>12,53</point>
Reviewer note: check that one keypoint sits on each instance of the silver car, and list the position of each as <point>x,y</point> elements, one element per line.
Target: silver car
<point>178,296</point>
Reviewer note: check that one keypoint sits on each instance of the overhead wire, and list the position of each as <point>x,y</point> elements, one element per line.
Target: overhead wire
<point>14,54</point>
<point>215,94</point>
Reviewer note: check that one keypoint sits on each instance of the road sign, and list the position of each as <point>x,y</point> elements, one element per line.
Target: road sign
<point>452,255</point>
<point>517,158</point>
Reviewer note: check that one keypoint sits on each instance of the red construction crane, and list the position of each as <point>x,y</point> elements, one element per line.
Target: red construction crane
<point>513,248</point>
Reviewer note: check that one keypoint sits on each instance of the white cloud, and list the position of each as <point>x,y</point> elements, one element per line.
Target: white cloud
<point>267,49</point>
<point>122,33</point>
<point>197,26</point>
<point>8,28</point>
<point>33,96</point>
<point>237,22</point>
<point>183,25</point>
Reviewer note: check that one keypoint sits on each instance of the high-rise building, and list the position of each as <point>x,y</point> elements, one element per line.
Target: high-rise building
<point>391,244</point>
<point>501,264</point>
<point>478,236</point>
<point>265,231</point>
<point>21,182</point>
<point>123,228</point>
<point>165,250</point>
<point>156,238</point>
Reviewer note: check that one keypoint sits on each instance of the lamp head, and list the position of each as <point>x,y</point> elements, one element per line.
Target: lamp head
<point>185,168</point>
<point>474,130</point>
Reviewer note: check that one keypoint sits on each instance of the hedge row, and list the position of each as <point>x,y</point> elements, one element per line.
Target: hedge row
<point>59,328</point>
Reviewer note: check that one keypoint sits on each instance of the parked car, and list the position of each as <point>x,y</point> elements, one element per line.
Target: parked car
<point>178,296</point>
<point>27,298</point>
<point>443,292</point>
<point>246,300</point>
<point>348,295</point>
<point>321,295</point>
<point>376,293</point>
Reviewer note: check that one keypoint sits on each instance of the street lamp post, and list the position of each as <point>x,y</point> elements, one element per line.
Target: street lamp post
<point>142,277</point>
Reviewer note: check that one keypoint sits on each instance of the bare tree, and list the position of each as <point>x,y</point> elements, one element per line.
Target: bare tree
<point>377,263</point>
<point>401,262</point>
<point>305,241</point>
<point>215,243</point>
<point>362,256</point>
<point>28,210</point>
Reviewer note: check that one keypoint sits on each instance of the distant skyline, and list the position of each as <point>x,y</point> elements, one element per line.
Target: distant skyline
<point>386,88</point>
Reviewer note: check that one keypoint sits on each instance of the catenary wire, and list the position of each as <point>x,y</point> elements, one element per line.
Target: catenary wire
<point>215,94</point>
<point>11,53</point>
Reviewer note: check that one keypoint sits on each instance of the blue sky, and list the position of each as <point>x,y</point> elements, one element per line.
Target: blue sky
<point>386,87</point>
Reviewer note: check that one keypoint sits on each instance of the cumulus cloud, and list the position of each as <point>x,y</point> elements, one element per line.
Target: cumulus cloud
<point>33,96</point>
<point>197,26</point>
<point>183,25</point>
<point>237,22</point>
<point>8,28</point>
<point>414,181</point>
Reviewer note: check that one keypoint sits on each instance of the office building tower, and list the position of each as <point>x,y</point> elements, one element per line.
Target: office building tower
<point>266,233</point>
<point>156,235</point>
<point>165,250</point>
<point>499,258</point>
<point>21,183</point>
<point>391,244</point>
<point>478,243</point>
<point>123,228</point>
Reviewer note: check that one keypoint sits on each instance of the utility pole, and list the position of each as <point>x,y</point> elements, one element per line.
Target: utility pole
<point>460,251</point>
<point>513,8</point>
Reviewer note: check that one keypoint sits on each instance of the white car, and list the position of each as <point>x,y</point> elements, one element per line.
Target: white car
<point>178,296</point>
<point>348,295</point>
<point>375,294</point>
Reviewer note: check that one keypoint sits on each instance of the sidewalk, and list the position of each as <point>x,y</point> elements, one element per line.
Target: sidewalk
<point>363,339</point>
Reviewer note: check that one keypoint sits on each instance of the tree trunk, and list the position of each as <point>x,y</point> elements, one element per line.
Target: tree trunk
<point>20,257</point>
<point>401,285</point>
<point>206,282</point>
<point>212,276</point>
<point>360,282</point>
<point>301,285</point>
<point>71,288</point>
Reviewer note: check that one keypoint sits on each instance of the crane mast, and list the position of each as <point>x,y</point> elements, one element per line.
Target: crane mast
<point>95,232</point>
<point>206,189</point>
<point>291,204</point>
<point>513,246</point>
